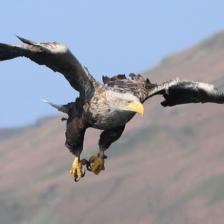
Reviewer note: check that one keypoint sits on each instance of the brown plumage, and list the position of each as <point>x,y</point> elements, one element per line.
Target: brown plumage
<point>108,106</point>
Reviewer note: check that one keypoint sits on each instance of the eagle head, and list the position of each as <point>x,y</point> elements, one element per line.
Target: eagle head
<point>124,102</point>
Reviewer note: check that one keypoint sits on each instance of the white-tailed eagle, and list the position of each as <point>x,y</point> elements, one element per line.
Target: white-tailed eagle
<point>107,106</point>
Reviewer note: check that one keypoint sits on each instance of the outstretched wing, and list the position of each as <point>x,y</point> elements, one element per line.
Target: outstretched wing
<point>55,56</point>
<point>175,91</point>
<point>182,92</point>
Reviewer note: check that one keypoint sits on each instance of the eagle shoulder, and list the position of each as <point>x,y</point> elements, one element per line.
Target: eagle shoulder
<point>134,84</point>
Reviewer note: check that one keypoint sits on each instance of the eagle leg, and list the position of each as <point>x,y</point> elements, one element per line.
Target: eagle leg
<point>75,132</point>
<point>77,170</point>
<point>107,137</point>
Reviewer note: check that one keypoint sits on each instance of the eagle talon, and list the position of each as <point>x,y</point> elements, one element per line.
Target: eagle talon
<point>77,171</point>
<point>96,164</point>
<point>77,179</point>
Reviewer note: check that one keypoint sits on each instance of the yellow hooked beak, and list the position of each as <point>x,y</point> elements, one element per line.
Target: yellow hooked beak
<point>136,107</point>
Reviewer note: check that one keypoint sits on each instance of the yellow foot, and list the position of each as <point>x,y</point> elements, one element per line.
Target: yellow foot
<point>96,164</point>
<point>77,171</point>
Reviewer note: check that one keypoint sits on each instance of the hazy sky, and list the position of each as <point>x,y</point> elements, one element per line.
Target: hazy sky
<point>108,36</point>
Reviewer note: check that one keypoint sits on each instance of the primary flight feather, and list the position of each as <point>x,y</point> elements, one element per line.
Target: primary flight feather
<point>108,106</point>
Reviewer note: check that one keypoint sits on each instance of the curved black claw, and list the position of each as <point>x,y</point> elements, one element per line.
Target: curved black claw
<point>77,178</point>
<point>88,166</point>
<point>86,163</point>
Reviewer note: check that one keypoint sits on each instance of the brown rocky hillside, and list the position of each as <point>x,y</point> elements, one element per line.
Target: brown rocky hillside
<point>167,168</point>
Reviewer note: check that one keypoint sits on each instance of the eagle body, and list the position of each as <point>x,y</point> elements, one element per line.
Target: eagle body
<point>101,112</point>
<point>107,106</point>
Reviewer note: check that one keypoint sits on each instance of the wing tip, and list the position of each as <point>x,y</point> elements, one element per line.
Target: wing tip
<point>25,41</point>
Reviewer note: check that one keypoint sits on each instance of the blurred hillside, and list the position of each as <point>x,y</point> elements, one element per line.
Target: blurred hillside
<point>167,168</point>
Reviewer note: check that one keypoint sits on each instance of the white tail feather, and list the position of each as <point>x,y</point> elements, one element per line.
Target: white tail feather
<point>60,108</point>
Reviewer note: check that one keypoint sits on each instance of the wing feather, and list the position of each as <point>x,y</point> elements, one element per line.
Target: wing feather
<point>182,92</point>
<point>55,56</point>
